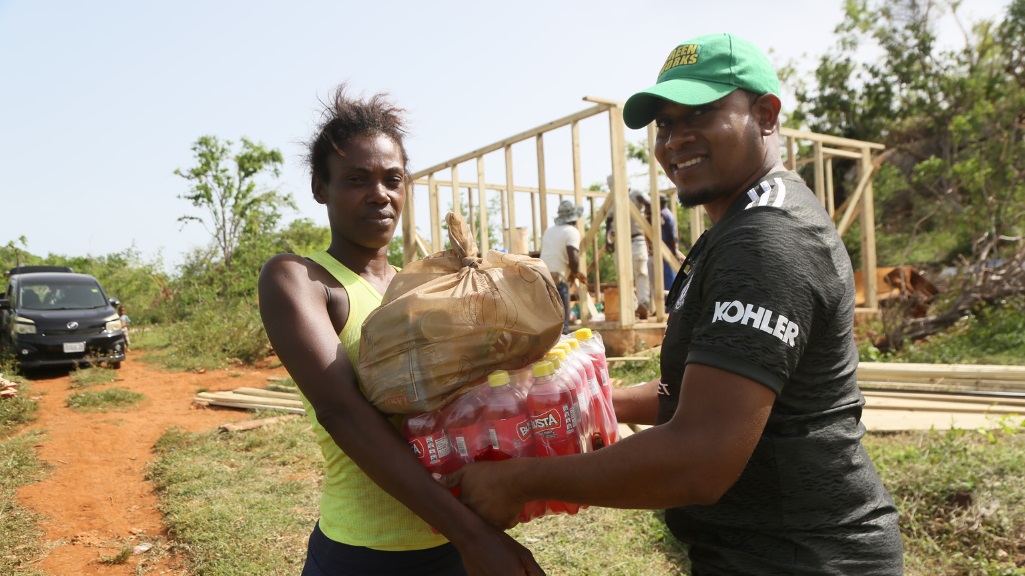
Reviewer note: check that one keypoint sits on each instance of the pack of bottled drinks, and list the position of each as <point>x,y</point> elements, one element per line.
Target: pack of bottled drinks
<point>449,320</point>
<point>558,405</point>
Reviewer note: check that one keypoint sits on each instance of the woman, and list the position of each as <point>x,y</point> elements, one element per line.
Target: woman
<point>378,502</point>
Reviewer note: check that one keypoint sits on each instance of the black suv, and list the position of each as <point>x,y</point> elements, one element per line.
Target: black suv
<point>51,316</point>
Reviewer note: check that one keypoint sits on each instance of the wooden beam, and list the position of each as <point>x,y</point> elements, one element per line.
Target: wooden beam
<point>830,202</point>
<point>432,190</point>
<point>657,247</point>
<point>831,140</point>
<point>482,191</point>
<point>621,223</point>
<point>546,127</point>
<point>542,186</point>
<point>820,180</point>
<point>852,201</point>
<point>408,226</point>
<point>455,192</point>
<point>508,220</point>
<point>878,370</point>
<point>868,235</point>
<point>526,188</point>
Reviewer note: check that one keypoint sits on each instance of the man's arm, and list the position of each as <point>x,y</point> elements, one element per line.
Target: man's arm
<point>294,312</point>
<point>573,257</point>
<point>693,459</point>
<point>636,404</point>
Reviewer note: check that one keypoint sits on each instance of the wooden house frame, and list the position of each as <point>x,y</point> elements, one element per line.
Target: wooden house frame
<point>622,331</point>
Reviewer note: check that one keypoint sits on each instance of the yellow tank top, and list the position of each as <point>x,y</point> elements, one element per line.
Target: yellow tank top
<point>353,509</point>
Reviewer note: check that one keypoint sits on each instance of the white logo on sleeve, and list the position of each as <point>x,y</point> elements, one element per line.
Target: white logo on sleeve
<point>765,320</point>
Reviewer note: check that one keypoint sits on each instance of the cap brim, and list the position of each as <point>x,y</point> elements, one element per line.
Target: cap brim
<point>640,108</point>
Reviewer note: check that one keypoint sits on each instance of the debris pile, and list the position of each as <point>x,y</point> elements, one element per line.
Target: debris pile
<point>8,389</point>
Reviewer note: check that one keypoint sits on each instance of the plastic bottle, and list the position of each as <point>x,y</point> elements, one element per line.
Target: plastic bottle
<point>598,434</point>
<point>549,404</point>
<point>429,442</point>
<point>591,343</point>
<point>572,375</point>
<point>505,416</point>
<point>463,419</point>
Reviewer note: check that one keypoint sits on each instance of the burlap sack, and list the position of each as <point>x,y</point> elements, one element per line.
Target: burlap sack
<point>449,320</point>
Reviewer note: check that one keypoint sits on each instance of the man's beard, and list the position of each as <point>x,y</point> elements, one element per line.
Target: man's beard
<point>697,198</point>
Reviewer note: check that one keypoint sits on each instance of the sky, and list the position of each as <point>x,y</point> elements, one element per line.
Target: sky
<point>101,101</point>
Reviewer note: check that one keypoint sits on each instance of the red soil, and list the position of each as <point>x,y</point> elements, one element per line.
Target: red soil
<point>95,500</point>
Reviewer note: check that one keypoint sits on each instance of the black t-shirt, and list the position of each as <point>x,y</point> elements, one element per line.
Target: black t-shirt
<point>769,295</point>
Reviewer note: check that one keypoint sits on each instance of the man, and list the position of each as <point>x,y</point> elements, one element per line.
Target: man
<point>670,237</point>
<point>560,251</point>
<point>756,450</point>
<point>638,249</point>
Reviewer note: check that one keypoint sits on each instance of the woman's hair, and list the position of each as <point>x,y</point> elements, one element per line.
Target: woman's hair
<point>344,119</point>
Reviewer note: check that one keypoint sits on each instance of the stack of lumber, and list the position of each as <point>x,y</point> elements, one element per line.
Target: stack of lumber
<point>1006,381</point>
<point>253,399</point>
<point>941,396</point>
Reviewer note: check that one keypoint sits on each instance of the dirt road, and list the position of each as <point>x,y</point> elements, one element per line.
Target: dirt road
<point>95,500</point>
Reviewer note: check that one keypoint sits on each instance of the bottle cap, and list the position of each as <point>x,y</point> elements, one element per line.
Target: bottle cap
<point>573,344</point>
<point>542,368</point>
<point>498,378</point>
<point>562,352</point>
<point>583,334</point>
<point>554,359</point>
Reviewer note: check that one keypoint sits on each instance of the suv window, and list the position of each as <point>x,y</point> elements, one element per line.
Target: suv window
<point>60,296</point>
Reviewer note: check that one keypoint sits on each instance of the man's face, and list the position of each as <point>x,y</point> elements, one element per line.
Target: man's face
<point>366,191</point>
<point>711,152</point>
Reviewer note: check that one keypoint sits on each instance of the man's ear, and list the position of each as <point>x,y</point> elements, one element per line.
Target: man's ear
<point>766,110</point>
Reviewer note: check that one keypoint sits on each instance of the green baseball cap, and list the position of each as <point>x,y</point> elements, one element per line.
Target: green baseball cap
<point>702,70</point>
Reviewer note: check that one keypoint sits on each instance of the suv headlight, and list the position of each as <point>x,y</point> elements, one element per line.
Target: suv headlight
<point>24,326</point>
<point>112,325</point>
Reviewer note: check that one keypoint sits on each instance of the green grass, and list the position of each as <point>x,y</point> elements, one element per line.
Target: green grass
<point>18,410</point>
<point>961,496</point>
<point>20,530</point>
<point>240,504</point>
<point>244,503</point>
<point>92,376</point>
<point>104,400</point>
<point>635,372</point>
<point>165,351</point>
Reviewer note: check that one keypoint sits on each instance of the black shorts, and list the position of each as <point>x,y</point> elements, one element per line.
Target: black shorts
<point>325,557</point>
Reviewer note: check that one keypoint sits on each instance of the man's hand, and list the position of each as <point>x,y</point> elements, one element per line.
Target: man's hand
<point>486,488</point>
<point>581,277</point>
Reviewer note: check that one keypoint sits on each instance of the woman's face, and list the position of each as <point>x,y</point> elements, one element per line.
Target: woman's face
<point>366,191</point>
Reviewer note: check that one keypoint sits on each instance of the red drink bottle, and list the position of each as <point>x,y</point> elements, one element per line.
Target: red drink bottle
<point>568,374</point>
<point>505,415</point>
<point>591,343</point>
<point>429,441</point>
<point>598,434</point>
<point>464,421</point>
<point>550,405</point>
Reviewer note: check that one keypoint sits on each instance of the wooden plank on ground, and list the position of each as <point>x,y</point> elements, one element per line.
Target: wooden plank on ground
<point>253,424</point>
<point>869,370</point>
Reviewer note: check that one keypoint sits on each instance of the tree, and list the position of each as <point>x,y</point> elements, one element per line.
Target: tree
<point>952,180</point>
<point>225,185</point>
